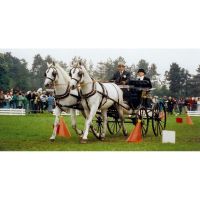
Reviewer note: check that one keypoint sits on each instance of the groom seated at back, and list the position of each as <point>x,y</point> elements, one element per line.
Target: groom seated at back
<point>141,77</point>
<point>136,92</point>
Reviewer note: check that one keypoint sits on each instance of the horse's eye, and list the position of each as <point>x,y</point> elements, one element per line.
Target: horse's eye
<point>70,73</point>
<point>54,74</point>
<point>45,75</point>
<point>80,74</point>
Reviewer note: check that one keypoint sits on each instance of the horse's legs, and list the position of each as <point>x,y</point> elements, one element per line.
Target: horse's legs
<point>89,116</point>
<point>105,117</point>
<point>121,116</point>
<point>56,123</point>
<point>73,120</point>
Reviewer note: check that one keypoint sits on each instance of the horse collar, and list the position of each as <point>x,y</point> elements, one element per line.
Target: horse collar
<point>62,96</point>
<point>93,92</point>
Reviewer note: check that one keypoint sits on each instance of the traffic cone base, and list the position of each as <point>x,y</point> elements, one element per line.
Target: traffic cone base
<point>136,133</point>
<point>63,129</point>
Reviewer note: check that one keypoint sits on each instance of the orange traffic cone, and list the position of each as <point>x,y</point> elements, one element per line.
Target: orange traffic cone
<point>136,133</point>
<point>63,129</point>
<point>189,120</point>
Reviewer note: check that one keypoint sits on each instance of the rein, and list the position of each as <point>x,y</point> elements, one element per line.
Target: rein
<point>65,95</point>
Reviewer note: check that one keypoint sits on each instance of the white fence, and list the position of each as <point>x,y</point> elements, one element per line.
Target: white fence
<point>194,113</point>
<point>11,111</point>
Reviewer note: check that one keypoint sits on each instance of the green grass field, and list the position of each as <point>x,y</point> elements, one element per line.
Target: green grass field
<point>32,132</point>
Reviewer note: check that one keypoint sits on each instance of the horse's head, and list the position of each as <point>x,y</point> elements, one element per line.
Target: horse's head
<point>51,75</point>
<point>76,74</point>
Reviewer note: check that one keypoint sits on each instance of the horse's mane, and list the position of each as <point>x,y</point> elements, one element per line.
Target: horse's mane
<point>63,72</point>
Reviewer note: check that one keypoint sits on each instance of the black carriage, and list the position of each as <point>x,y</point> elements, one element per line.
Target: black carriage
<point>138,98</point>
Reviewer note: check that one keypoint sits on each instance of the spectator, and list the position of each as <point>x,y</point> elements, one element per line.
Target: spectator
<point>20,100</point>
<point>7,100</point>
<point>181,105</point>
<point>13,101</point>
<point>32,100</point>
<point>25,102</point>
<point>43,99</point>
<point>28,97</point>
<point>170,105</point>
<point>2,97</point>
<point>198,104</point>
<point>36,103</point>
<point>51,103</point>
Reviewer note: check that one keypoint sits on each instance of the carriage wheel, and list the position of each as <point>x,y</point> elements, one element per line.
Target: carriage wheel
<point>97,126</point>
<point>114,125</point>
<point>158,118</point>
<point>143,116</point>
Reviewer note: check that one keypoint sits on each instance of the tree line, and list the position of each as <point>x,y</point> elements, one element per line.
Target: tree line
<point>177,81</point>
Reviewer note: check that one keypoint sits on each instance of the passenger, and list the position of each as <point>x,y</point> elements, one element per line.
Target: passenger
<point>141,76</point>
<point>135,97</point>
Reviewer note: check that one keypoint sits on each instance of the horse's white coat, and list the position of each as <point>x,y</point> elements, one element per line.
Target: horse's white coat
<point>60,82</point>
<point>90,108</point>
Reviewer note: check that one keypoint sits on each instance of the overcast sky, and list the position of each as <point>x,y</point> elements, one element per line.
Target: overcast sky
<point>186,58</point>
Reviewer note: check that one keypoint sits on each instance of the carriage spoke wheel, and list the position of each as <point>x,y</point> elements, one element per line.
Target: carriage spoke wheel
<point>158,118</point>
<point>114,125</point>
<point>97,127</point>
<point>143,116</point>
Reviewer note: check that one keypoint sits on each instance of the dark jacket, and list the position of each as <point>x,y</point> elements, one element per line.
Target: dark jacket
<point>118,79</point>
<point>148,85</point>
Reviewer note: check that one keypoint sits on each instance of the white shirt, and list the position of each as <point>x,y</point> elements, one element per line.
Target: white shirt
<point>121,73</point>
<point>141,78</point>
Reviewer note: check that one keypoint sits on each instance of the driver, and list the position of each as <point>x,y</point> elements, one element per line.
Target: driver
<point>121,77</point>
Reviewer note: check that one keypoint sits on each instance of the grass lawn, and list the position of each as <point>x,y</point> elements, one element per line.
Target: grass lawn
<point>32,133</point>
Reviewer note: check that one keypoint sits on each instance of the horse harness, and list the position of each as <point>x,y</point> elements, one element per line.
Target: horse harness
<point>104,94</point>
<point>54,74</point>
<point>65,95</point>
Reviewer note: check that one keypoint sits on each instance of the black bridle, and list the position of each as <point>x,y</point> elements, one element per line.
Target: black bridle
<point>80,74</point>
<point>54,74</point>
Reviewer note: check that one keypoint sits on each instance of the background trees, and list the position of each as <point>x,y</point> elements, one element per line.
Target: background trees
<point>13,73</point>
<point>177,81</point>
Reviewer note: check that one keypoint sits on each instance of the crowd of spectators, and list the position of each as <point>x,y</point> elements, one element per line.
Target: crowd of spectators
<point>40,101</point>
<point>32,101</point>
<point>180,105</point>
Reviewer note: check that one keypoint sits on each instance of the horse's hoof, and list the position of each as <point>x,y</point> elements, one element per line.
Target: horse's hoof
<point>102,137</point>
<point>83,141</point>
<point>52,140</point>
<point>125,133</point>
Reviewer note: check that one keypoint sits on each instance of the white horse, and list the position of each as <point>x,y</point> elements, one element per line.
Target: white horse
<point>96,96</point>
<point>66,98</point>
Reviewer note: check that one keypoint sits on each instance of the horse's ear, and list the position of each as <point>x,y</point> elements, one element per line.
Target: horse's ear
<point>48,65</point>
<point>53,63</point>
